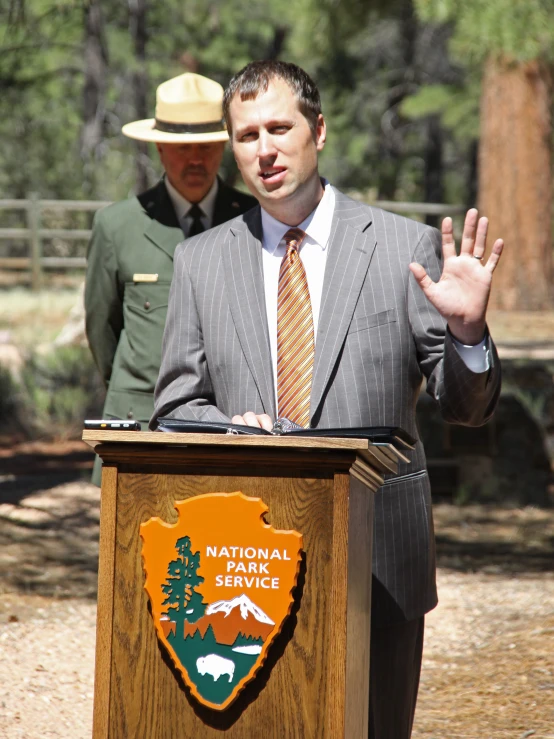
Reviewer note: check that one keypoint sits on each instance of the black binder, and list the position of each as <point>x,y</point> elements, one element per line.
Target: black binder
<point>376,434</point>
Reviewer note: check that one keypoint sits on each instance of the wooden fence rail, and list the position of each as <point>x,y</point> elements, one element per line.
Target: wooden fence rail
<point>35,235</point>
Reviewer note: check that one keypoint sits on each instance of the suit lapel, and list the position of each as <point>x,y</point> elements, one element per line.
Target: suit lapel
<point>351,247</point>
<point>242,258</point>
<point>162,227</point>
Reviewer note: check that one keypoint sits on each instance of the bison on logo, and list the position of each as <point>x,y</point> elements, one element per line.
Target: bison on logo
<point>220,583</point>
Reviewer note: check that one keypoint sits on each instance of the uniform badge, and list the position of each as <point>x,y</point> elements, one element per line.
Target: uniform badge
<point>220,583</point>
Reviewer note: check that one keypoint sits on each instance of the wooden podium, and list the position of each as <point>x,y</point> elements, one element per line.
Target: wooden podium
<point>315,681</point>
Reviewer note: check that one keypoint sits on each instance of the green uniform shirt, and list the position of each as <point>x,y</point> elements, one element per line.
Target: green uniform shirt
<point>125,304</point>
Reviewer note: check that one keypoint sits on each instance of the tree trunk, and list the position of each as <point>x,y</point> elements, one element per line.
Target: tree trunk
<point>96,63</point>
<point>137,27</point>
<point>515,181</point>
<point>434,169</point>
<point>277,43</point>
<point>391,141</point>
<point>472,175</point>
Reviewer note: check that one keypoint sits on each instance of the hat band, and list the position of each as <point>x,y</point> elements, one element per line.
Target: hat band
<point>212,127</point>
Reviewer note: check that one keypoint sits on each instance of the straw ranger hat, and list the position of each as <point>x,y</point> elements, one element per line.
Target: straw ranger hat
<point>189,109</point>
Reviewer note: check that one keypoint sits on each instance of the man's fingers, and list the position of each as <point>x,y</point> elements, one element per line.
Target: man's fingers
<point>251,419</point>
<point>448,244</point>
<point>481,238</point>
<point>261,421</point>
<point>266,422</point>
<point>423,279</point>
<point>496,253</point>
<point>468,236</point>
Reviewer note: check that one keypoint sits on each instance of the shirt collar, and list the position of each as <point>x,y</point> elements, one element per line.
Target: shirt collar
<point>317,225</point>
<point>182,205</point>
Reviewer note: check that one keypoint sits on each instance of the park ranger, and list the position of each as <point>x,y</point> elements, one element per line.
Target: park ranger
<point>130,256</point>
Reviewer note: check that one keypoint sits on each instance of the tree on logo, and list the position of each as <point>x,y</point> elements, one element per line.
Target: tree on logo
<point>184,601</point>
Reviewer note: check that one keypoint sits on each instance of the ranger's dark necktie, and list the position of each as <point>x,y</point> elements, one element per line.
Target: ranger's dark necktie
<point>196,227</point>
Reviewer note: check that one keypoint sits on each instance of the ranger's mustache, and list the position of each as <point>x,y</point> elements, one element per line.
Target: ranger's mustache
<point>195,169</point>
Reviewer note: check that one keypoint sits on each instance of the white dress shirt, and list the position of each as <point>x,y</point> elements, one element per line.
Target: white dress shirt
<point>313,253</point>
<point>182,206</point>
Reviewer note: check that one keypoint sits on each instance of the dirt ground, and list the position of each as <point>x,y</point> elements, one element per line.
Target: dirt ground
<point>488,668</point>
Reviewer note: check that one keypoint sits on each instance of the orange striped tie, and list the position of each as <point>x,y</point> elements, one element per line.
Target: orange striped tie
<point>295,335</point>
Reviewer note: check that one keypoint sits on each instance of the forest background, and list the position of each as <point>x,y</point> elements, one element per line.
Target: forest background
<point>426,100</point>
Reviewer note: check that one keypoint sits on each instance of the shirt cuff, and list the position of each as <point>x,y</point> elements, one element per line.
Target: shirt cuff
<point>475,358</point>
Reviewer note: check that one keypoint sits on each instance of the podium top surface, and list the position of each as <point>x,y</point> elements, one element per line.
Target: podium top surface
<point>386,456</point>
<point>94,437</point>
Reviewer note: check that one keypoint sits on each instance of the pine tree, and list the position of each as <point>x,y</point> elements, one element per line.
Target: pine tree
<point>184,601</point>
<point>511,42</point>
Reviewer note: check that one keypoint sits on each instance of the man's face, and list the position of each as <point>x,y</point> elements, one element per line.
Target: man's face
<point>276,150</point>
<point>191,168</point>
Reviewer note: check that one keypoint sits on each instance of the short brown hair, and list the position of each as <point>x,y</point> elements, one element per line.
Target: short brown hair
<point>255,78</point>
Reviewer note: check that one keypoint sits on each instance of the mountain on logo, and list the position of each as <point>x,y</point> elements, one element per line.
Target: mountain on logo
<point>246,606</point>
<point>230,619</point>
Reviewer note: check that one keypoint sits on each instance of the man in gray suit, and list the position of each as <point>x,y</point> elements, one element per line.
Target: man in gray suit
<point>387,308</point>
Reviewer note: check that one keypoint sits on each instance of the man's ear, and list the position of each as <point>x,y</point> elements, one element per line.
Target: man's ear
<point>320,132</point>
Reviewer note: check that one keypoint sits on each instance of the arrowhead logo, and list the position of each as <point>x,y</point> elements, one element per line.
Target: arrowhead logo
<point>220,585</point>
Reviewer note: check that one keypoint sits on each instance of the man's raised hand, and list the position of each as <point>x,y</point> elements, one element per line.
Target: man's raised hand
<point>462,293</point>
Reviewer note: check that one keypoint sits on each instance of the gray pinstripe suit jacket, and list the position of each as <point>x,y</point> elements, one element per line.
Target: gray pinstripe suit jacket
<point>378,337</point>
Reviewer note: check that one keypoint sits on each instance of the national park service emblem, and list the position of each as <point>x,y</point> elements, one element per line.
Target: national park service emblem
<point>220,583</point>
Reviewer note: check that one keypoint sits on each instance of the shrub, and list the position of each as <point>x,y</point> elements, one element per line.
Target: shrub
<point>10,402</point>
<point>59,390</point>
